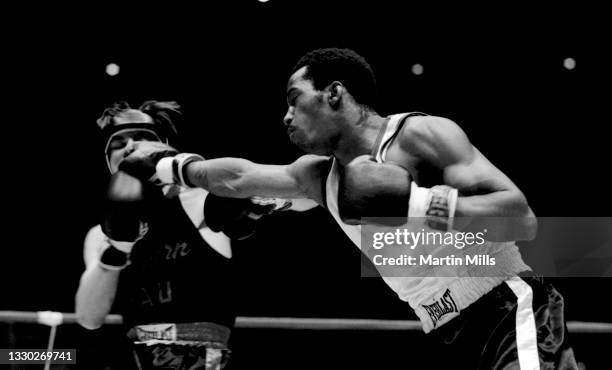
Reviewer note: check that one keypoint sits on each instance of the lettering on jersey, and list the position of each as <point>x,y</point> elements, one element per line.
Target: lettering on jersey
<point>145,299</point>
<point>158,294</point>
<point>443,306</point>
<point>174,251</point>
<point>165,292</point>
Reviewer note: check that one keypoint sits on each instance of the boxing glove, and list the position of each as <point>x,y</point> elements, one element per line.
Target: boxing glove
<point>370,189</point>
<point>141,162</point>
<point>123,219</point>
<point>237,217</point>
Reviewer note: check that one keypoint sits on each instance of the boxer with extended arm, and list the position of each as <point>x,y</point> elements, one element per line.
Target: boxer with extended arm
<point>410,164</point>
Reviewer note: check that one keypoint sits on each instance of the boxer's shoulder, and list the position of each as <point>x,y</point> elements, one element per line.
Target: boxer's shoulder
<point>431,137</point>
<point>418,130</point>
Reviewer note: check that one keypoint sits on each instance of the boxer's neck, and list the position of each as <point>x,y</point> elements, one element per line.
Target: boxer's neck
<point>358,136</point>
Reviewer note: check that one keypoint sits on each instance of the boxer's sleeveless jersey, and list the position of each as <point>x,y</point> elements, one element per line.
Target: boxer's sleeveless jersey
<point>175,275</point>
<point>423,292</point>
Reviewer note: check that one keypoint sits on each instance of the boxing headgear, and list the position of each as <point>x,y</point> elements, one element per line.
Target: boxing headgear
<point>130,120</point>
<point>152,118</point>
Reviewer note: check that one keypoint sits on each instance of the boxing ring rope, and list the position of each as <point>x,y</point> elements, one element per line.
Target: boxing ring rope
<point>286,323</point>
<point>54,319</point>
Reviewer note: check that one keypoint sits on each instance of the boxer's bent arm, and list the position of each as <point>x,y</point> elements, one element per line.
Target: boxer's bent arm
<point>98,287</point>
<point>484,190</point>
<point>241,178</point>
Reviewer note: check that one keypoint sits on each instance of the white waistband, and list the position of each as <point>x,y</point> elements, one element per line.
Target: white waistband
<point>449,299</point>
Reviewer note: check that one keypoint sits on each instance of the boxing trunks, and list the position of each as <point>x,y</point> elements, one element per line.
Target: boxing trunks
<point>200,345</point>
<point>446,304</point>
<point>518,325</point>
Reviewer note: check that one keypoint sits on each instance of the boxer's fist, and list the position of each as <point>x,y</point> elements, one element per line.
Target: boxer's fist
<point>237,217</point>
<point>143,159</point>
<point>123,211</point>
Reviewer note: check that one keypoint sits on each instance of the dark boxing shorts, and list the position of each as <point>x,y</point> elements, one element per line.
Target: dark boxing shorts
<point>520,324</point>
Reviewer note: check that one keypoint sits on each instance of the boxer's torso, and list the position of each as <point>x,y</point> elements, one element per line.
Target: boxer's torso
<point>424,288</point>
<point>175,275</point>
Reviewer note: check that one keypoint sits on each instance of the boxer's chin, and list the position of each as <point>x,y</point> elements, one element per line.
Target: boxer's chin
<point>295,140</point>
<point>302,145</point>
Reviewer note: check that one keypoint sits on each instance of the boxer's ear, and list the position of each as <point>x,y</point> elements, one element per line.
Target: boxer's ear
<point>336,90</point>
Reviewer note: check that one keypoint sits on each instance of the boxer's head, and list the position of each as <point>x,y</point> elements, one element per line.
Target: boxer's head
<point>122,126</point>
<point>324,86</point>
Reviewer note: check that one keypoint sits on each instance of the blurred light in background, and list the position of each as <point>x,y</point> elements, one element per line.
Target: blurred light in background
<point>417,69</point>
<point>263,1</point>
<point>112,69</point>
<point>569,63</point>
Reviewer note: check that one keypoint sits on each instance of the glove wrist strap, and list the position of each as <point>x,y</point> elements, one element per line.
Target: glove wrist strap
<point>436,205</point>
<point>441,209</point>
<point>125,247</point>
<point>113,259</point>
<point>171,170</point>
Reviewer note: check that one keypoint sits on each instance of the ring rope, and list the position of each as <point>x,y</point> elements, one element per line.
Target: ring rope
<point>295,323</point>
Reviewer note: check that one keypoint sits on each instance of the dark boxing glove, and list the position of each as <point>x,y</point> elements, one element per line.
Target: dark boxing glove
<point>370,189</point>
<point>237,217</point>
<point>142,161</point>
<point>123,219</point>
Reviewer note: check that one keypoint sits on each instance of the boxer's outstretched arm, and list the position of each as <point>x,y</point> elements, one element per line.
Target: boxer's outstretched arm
<point>484,191</point>
<point>98,286</point>
<point>241,178</point>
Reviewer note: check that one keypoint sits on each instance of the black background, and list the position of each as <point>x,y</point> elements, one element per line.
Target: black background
<point>496,71</point>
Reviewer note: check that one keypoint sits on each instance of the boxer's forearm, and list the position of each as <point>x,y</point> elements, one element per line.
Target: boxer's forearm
<point>504,214</point>
<point>240,178</point>
<point>95,296</point>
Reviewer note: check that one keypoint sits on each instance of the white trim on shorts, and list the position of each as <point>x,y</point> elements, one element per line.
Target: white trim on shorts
<point>526,333</point>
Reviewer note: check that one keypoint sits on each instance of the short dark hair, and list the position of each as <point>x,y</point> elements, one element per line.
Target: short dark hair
<point>325,66</point>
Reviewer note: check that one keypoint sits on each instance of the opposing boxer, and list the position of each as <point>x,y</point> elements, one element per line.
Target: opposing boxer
<point>409,164</point>
<point>162,256</point>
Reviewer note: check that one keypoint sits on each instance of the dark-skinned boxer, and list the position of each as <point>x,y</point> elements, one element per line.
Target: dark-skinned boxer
<point>361,165</point>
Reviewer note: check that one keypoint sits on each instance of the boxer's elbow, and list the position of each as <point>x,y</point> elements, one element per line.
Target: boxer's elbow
<point>89,311</point>
<point>88,320</point>
<point>530,224</point>
<point>88,324</point>
<point>527,221</point>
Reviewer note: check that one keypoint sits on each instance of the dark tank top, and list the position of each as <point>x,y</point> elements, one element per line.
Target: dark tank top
<point>175,276</point>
